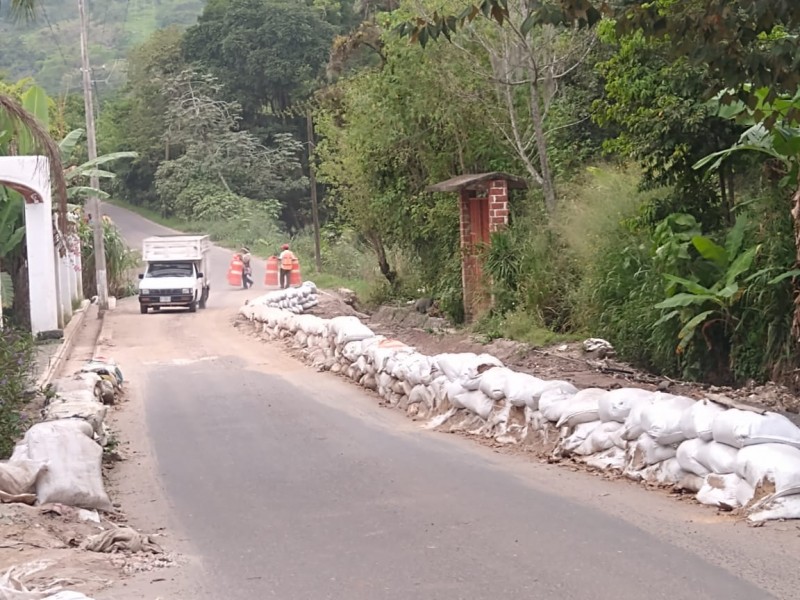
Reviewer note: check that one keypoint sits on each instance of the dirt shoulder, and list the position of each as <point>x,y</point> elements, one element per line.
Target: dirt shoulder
<point>44,544</point>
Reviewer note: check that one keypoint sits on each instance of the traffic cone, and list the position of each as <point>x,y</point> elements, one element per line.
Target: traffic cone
<point>294,277</point>
<point>235,271</point>
<point>271,276</point>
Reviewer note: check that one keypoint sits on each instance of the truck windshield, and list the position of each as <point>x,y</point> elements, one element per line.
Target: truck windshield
<point>170,270</point>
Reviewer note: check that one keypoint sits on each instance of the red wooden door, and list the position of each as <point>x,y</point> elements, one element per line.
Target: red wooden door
<point>479,220</point>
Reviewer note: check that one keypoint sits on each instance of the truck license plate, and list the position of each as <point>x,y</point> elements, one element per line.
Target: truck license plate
<point>165,299</point>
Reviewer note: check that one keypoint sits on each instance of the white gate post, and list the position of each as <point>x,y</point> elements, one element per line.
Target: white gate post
<point>30,176</point>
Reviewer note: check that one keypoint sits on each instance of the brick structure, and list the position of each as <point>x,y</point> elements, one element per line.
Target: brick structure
<point>483,210</point>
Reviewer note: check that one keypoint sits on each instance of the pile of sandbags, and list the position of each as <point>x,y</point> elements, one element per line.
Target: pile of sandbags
<point>60,459</point>
<point>296,300</point>
<point>729,458</point>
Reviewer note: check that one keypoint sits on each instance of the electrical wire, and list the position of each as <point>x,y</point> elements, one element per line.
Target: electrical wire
<point>53,33</point>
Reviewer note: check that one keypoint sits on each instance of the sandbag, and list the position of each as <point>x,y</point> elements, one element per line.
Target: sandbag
<point>74,466</point>
<point>466,368</point>
<point>579,436</point>
<point>421,394</point>
<point>646,451</point>
<point>474,401</point>
<point>78,382</point>
<point>92,412</point>
<point>633,422</point>
<point>697,420</point>
<point>564,387</point>
<point>555,409</point>
<point>20,477</point>
<point>611,459</point>
<point>766,465</point>
<point>665,473</point>
<point>616,404</point>
<point>385,350</point>
<point>494,382</point>
<point>686,455</point>
<point>523,389</point>
<point>600,439</point>
<point>583,408</point>
<point>775,508</point>
<point>348,329</point>
<point>729,490</point>
<point>717,458</point>
<point>551,397</point>
<point>415,368</point>
<point>740,428</point>
<point>661,419</point>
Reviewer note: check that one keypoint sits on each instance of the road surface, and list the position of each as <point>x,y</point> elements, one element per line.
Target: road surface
<point>280,482</point>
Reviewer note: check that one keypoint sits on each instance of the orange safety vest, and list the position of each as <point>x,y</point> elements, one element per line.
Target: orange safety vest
<point>287,257</point>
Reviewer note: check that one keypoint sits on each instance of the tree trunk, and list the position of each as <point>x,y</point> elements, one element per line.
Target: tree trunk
<point>796,222</point>
<point>548,187</point>
<point>383,263</point>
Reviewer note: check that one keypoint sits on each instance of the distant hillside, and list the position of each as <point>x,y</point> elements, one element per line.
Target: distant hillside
<point>49,48</point>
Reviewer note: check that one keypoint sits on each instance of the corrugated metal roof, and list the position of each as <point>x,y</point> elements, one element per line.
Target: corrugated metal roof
<point>461,182</point>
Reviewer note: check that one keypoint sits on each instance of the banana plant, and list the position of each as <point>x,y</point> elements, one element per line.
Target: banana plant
<point>76,175</point>
<point>699,306</point>
<point>774,131</point>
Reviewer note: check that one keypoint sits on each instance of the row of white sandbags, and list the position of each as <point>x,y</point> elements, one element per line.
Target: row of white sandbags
<point>660,438</point>
<point>60,459</point>
<point>296,300</point>
<point>730,457</point>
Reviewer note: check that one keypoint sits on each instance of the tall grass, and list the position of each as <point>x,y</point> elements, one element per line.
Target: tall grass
<point>120,261</point>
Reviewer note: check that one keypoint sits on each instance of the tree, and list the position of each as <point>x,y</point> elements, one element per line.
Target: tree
<point>656,105</point>
<point>526,59</point>
<point>212,150</point>
<point>388,131</point>
<point>135,120</point>
<point>265,52</point>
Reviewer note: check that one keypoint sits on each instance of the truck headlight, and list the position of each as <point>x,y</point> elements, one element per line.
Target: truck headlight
<point>144,292</point>
<point>186,291</point>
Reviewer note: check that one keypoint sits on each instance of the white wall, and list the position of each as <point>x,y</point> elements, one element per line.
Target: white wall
<point>33,174</point>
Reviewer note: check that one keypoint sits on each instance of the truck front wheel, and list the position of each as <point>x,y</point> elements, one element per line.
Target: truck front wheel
<point>143,309</point>
<point>193,307</point>
<point>203,298</point>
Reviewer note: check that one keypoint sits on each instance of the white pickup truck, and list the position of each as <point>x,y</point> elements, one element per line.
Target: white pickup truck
<point>176,272</point>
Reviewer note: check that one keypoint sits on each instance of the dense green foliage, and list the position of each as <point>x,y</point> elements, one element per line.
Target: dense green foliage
<point>17,356</point>
<point>686,264</point>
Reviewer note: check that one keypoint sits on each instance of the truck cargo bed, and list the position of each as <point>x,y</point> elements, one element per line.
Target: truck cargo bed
<point>175,247</point>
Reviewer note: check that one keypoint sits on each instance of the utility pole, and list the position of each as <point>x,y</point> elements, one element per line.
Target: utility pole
<point>91,143</point>
<point>313,181</point>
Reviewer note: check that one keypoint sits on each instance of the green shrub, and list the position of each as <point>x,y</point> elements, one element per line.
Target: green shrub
<point>120,261</point>
<point>762,342</point>
<point>17,359</point>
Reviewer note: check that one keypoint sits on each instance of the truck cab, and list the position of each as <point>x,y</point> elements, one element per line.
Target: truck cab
<point>176,273</point>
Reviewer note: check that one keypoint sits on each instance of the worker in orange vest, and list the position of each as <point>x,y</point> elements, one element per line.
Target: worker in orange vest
<point>286,257</point>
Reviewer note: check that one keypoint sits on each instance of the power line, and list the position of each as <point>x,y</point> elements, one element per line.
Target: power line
<point>53,33</point>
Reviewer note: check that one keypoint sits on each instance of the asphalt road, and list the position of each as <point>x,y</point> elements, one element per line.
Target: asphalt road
<point>292,484</point>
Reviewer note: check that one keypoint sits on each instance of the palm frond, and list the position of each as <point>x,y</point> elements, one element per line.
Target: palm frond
<point>45,145</point>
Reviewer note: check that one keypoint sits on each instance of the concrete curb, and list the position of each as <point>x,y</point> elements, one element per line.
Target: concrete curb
<point>66,345</point>
<point>106,331</point>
